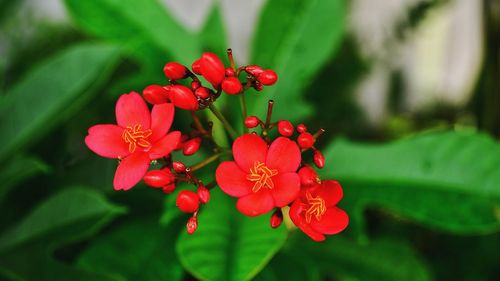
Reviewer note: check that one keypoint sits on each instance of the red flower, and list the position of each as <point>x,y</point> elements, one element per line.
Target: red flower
<point>138,138</point>
<point>315,213</point>
<point>261,177</point>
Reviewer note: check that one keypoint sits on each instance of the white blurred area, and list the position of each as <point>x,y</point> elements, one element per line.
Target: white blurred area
<point>440,61</point>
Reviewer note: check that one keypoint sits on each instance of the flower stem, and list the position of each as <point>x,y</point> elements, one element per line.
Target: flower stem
<point>205,162</point>
<point>243,106</point>
<point>224,121</point>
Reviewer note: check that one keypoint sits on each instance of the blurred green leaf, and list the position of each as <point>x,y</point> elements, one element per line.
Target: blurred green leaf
<point>71,212</point>
<point>445,180</point>
<point>382,259</point>
<point>295,38</point>
<point>19,169</point>
<point>213,34</point>
<point>145,28</point>
<point>227,244</point>
<point>51,92</point>
<point>121,255</point>
<point>286,266</point>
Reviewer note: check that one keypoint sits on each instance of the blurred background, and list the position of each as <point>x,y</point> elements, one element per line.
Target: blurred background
<point>407,90</point>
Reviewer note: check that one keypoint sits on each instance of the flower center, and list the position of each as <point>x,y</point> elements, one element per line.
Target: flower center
<point>317,207</point>
<point>261,175</point>
<point>135,136</point>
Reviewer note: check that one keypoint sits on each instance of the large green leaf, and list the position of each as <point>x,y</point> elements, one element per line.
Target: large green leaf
<point>227,244</point>
<point>295,38</point>
<point>68,216</point>
<point>382,259</point>
<point>52,91</point>
<point>74,211</point>
<point>145,28</point>
<point>19,169</point>
<point>445,180</point>
<point>119,253</point>
<point>290,267</point>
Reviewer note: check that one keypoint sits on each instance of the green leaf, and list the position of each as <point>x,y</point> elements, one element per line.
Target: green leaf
<point>71,212</point>
<point>280,268</point>
<point>145,28</point>
<point>51,92</point>
<point>382,259</point>
<point>295,39</point>
<point>19,169</point>
<point>213,34</point>
<point>447,180</point>
<point>135,251</point>
<point>227,244</point>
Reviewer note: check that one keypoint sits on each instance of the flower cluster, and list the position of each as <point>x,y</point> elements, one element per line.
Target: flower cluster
<point>268,173</point>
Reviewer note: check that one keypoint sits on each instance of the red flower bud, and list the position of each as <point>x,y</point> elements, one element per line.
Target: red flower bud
<point>159,178</point>
<point>195,85</point>
<point>169,188</point>
<point>231,85</point>
<point>191,146</point>
<point>251,122</point>
<point>276,219</point>
<point>318,159</point>
<point>212,68</point>
<point>179,167</point>
<point>258,86</point>
<point>183,139</point>
<point>267,77</point>
<point>202,93</point>
<point>308,176</point>
<point>305,140</point>
<point>229,72</point>
<point>285,128</point>
<point>187,201</point>
<point>183,97</point>
<point>196,66</point>
<point>203,194</point>
<point>155,94</point>
<point>192,225</point>
<point>175,71</point>
<point>254,70</point>
<point>301,128</point>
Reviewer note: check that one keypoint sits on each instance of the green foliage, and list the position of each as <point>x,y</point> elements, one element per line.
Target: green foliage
<point>68,216</point>
<point>120,255</point>
<point>446,180</point>
<point>295,39</point>
<point>51,92</point>
<point>227,244</point>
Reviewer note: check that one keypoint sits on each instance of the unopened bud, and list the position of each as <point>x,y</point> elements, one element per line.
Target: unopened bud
<point>231,85</point>
<point>175,71</point>
<point>251,122</point>
<point>187,201</point>
<point>305,140</point>
<point>169,188</point>
<point>276,218</point>
<point>155,94</point>
<point>267,77</point>
<point>179,167</point>
<point>183,97</point>
<point>285,128</point>
<point>159,178</point>
<point>192,225</point>
<point>318,159</point>
<point>196,67</point>
<point>191,146</point>
<point>308,176</point>
<point>212,68</point>
<point>203,194</point>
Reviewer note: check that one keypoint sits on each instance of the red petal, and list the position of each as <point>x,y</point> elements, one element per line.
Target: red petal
<point>256,204</point>
<point>162,116</point>
<point>132,110</point>
<point>131,170</point>
<point>165,145</point>
<point>283,155</point>
<point>286,188</point>
<point>330,191</point>
<point>232,180</point>
<point>333,221</point>
<point>106,141</point>
<point>249,149</point>
<point>295,214</point>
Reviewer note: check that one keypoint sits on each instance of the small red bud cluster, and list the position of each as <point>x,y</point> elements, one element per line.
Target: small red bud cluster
<point>267,174</point>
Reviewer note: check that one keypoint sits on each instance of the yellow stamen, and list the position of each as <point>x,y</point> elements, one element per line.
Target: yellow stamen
<point>317,207</point>
<point>261,175</point>
<point>135,136</point>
